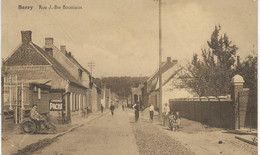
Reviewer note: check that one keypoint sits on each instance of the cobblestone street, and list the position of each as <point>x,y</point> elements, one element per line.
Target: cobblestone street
<point>116,134</point>
<point>150,140</point>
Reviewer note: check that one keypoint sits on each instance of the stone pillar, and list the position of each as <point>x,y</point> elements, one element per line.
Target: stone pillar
<point>237,86</point>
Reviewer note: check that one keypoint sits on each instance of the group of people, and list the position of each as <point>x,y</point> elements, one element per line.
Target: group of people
<point>176,118</point>
<point>165,114</point>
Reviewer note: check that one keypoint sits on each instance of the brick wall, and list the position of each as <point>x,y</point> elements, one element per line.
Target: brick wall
<point>37,73</point>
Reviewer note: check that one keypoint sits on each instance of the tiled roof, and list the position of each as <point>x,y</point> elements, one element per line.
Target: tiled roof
<point>77,63</point>
<point>165,66</point>
<point>57,66</point>
<point>26,55</point>
<point>30,54</point>
<point>153,81</point>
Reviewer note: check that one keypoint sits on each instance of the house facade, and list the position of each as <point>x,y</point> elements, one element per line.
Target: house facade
<point>77,71</point>
<point>30,62</point>
<point>170,85</point>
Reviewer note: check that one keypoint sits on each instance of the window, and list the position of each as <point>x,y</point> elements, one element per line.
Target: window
<point>80,74</point>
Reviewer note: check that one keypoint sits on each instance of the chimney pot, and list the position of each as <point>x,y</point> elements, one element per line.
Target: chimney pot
<point>48,41</point>
<point>169,59</point>
<point>26,36</point>
<point>63,49</point>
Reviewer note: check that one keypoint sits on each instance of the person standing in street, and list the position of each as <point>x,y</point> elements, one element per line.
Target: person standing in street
<point>102,108</point>
<point>166,112</point>
<point>136,108</point>
<point>178,121</point>
<point>112,108</point>
<point>123,107</point>
<point>151,110</point>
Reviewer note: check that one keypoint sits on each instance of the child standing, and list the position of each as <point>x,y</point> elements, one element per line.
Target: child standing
<point>178,121</point>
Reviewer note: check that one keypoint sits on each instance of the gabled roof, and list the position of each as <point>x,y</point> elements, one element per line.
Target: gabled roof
<point>154,79</point>
<point>57,66</point>
<point>26,55</point>
<point>155,75</point>
<point>31,54</point>
<point>168,75</point>
<point>77,63</point>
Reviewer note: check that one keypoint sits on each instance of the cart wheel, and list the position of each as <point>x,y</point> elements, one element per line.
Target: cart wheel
<point>29,127</point>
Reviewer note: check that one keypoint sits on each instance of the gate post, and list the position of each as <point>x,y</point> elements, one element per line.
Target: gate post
<point>237,86</point>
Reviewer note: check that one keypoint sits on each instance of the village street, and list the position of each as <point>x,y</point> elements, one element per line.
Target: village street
<point>113,135</point>
<point>106,135</point>
<point>119,134</point>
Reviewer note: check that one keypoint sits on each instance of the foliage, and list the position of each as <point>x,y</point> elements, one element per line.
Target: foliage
<point>248,70</point>
<point>210,77</point>
<point>120,85</point>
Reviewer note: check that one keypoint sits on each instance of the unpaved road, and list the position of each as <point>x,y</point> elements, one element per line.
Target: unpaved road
<point>115,135</point>
<point>105,135</point>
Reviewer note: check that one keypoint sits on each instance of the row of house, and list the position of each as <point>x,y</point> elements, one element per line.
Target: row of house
<point>148,92</point>
<point>235,110</point>
<point>109,98</point>
<point>69,82</point>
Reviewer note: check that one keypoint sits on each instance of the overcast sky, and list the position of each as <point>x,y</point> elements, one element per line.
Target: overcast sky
<point>121,36</point>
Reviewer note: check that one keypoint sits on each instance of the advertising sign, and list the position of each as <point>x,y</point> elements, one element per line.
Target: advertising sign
<point>56,105</point>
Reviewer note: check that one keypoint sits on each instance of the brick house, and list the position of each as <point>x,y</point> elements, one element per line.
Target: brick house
<point>30,62</point>
<point>76,70</point>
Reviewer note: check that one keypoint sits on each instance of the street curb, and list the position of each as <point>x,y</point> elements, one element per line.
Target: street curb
<point>21,151</point>
<point>246,141</point>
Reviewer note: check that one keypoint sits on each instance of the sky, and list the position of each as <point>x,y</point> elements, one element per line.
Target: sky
<point>121,36</point>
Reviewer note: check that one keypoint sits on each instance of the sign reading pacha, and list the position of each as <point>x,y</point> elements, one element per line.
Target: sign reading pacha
<point>56,105</point>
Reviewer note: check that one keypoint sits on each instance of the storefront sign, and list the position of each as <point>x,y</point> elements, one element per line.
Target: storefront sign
<point>56,105</point>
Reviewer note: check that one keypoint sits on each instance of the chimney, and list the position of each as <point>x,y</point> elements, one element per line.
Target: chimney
<point>174,62</point>
<point>26,36</point>
<point>169,59</point>
<point>63,49</point>
<point>48,42</point>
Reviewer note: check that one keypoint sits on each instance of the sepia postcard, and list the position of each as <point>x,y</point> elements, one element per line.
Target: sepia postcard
<point>129,77</point>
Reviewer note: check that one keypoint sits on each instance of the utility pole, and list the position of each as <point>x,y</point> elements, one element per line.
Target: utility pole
<point>91,65</point>
<point>160,60</point>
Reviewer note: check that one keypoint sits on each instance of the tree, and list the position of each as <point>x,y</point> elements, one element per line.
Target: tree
<point>248,70</point>
<point>120,85</point>
<point>210,77</point>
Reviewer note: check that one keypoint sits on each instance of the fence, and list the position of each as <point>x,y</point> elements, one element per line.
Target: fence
<point>247,108</point>
<point>214,113</point>
<point>240,111</point>
<point>220,112</point>
<point>15,98</point>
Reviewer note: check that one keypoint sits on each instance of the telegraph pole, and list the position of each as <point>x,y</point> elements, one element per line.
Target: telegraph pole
<point>160,60</point>
<point>91,65</point>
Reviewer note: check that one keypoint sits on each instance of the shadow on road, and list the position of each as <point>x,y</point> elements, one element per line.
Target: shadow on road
<point>236,132</point>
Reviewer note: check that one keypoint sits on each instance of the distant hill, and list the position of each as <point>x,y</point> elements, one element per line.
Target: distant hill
<point>120,85</point>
